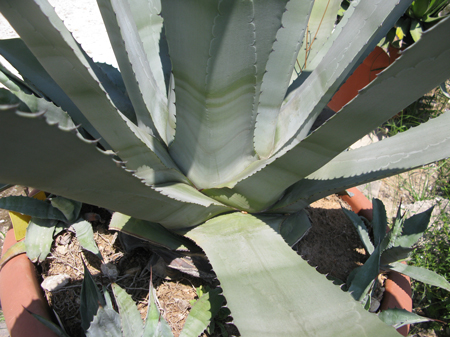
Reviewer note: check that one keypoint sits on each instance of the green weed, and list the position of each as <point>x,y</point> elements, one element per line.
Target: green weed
<point>429,106</point>
<point>433,254</point>
<point>442,185</point>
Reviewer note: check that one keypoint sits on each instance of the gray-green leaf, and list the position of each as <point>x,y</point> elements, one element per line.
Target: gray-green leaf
<point>129,314</point>
<point>106,323</point>
<point>85,236</point>
<point>32,207</point>
<point>278,293</point>
<point>400,317</point>
<point>92,301</point>
<point>201,314</point>
<point>421,274</point>
<point>39,238</point>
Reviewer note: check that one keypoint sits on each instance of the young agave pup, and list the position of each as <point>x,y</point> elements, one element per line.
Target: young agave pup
<point>205,132</point>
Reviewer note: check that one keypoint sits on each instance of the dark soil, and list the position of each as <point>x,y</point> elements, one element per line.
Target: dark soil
<point>332,244</point>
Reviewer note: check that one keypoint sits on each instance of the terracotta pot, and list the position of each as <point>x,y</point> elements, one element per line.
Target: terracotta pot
<point>398,286</point>
<point>375,62</point>
<point>19,289</point>
<point>366,72</point>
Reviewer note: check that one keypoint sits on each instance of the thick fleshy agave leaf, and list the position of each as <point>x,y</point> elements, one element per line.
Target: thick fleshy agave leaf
<point>58,169</point>
<point>39,238</point>
<point>35,76</point>
<point>155,325</point>
<point>379,221</point>
<point>91,299</point>
<point>295,226</point>
<point>278,73</point>
<point>400,317</point>
<point>18,54</point>
<point>149,23</point>
<point>16,81</point>
<point>7,98</point>
<point>54,114</point>
<point>281,303</point>
<point>85,236</point>
<point>367,110</point>
<point>420,69</point>
<point>363,277</point>
<point>361,229</point>
<point>292,227</point>
<point>420,274</point>
<point>370,21</point>
<point>211,44</point>
<point>171,120</point>
<point>130,317</point>
<point>391,156</point>
<point>266,27</point>
<point>70,208</point>
<point>106,323</point>
<point>395,254</point>
<point>16,249</point>
<point>394,233</point>
<point>66,63</point>
<point>309,100</point>
<point>184,193</point>
<point>413,229</point>
<point>32,207</point>
<point>149,231</point>
<point>112,82</point>
<point>134,29</point>
<point>202,312</point>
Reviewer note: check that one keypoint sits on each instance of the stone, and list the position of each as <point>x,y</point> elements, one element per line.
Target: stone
<point>109,270</point>
<point>55,282</point>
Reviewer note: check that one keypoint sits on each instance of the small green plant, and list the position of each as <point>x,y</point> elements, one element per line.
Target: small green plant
<point>48,218</point>
<point>387,249</point>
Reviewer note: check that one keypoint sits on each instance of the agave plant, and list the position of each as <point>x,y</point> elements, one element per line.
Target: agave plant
<point>387,250</point>
<point>206,132</point>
